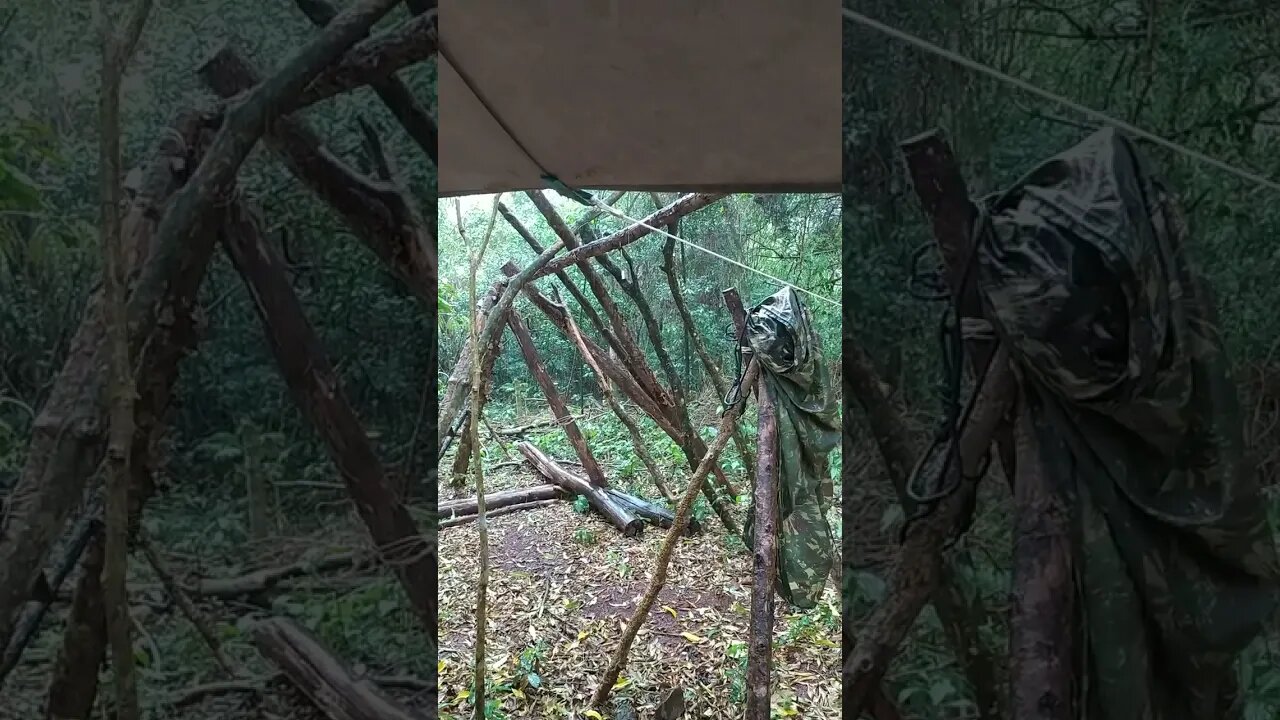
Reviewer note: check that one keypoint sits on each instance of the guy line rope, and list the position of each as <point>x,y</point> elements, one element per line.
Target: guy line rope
<point>1084,110</point>
<point>599,204</point>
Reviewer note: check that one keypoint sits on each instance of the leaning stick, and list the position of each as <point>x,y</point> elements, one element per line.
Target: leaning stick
<point>683,512</point>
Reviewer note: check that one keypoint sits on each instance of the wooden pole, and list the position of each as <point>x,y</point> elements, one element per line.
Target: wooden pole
<point>1040,626</point>
<point>488,513</point>
<point>678,209</point>
<point>918,572</point>
<point>495,500</point>
<point>765,530</point>
<point>558,406</point>
<point>317,391</point>
<point>765,558</point>
<point>637,440</point>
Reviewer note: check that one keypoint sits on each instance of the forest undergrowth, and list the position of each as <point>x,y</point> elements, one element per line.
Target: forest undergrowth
<point>565,583</point>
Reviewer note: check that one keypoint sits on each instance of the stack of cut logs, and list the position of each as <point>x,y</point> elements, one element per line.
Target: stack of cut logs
<point>626,512</point>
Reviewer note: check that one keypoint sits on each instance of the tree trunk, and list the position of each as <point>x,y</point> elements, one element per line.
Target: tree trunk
<point>959,618</point>
<point>918,570</point>
<point>68,436</point>
<point>74,685</point>
<point>621,517</point>
<point>197,204</point>
<point>500,499</point>
<point>1042,623</point>
<point>317,392</point>
<point>267,579</point>
<point>587,308</point>
<point>765,558</point>
<point>493,324</point>
<point>458,386</point>
<point>558,407</point>
<point>53,479</point>
<point>258,498</point>
<point>326,681</point>
<point>116,50</point>
<point>375,60</point>
<point>630,352</point>
<point>189,609</point>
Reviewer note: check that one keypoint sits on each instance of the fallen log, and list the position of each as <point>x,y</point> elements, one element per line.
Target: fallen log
<point>621,517</point>
<point>522,429</point>
<point>326,681</point>
<point>500,499</point>
<point>265,579</point>
<point>507,510</point>
<point>255,686</point>
<point>653,513</point>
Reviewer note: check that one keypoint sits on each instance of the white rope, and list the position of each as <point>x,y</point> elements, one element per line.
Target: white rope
<point>599,204</point>
<point>1060,100</point>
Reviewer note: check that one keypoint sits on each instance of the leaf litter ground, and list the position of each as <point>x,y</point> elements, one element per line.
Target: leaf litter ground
<point>563,586</point>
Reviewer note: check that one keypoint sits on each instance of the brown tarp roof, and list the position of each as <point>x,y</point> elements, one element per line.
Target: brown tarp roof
<point>665,94</point>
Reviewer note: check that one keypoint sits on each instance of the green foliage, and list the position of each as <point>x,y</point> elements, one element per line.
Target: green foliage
<point>738,689</point>
<point>580,505</point>
<point>528,664</point>
<point>789,236</point>
<point>369,623</point>
<point>584,536</point>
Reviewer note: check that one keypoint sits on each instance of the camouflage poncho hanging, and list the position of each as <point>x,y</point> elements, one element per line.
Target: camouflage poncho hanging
<point>1082,270</point>
<point>780,333</point>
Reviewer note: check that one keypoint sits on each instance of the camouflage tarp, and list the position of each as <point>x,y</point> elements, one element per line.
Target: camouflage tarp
<point>1082,268</point>
<point>780,332</point>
